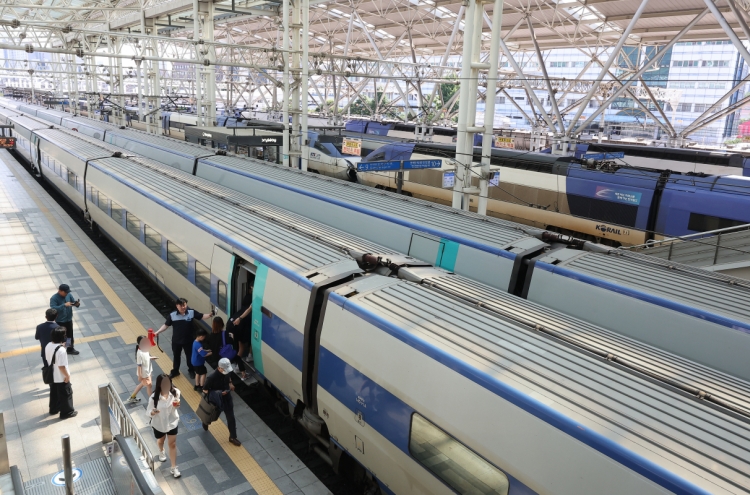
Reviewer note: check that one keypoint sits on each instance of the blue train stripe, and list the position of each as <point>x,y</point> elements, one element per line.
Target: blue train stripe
<point>646,297</point>
<point>637,463</point>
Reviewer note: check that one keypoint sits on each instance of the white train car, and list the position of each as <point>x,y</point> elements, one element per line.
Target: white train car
<point>406,376</point>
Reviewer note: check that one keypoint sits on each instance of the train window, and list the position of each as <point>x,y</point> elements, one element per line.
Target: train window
<point>133,225</point>
<point>153,240</point>
<point>704,223</point>
<point>116,213</point>
<point>103,202</point>
<point>222,295</point>
<point>72,177</point>
<point>203,278</point>
<point>452,462</point>
<point>177,258</point>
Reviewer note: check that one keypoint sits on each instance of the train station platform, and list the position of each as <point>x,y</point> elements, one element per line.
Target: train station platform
<point>42,247</point>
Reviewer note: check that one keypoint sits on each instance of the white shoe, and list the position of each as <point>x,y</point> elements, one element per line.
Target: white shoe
<point>133,400</point>
<point>175,472</point>
<point>162,456</point>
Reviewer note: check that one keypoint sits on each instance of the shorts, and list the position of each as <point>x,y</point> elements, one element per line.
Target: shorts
<point>200,370</point>
<point>158,434</point>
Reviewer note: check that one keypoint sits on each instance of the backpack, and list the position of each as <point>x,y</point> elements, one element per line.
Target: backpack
<point>48,372</point>
<point>227,350</point>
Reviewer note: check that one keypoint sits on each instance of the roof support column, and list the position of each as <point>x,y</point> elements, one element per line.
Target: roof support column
<point>467,106</point>
<point>287,75</point>
<point>210,71</point>
<point>542,66</point>
<point>198,65</point>
<point>637,75</point>
<point>304,76</point>
<point>605,67</point>
<point>448,49</point>
<point>489,109</point>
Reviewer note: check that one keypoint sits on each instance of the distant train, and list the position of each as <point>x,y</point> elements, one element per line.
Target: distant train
<point>392,366</point>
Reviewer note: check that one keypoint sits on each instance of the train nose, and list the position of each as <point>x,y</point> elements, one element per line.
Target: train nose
<point>351,171</point>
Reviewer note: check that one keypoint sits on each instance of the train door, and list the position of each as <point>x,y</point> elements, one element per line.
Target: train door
<point>243,286</point>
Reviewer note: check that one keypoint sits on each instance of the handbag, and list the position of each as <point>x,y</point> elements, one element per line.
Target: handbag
<point>207,412</point>
<point>227,350</point>
<point>48,372</point>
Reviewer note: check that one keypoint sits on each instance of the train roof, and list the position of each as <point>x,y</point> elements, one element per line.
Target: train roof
<point>721,295</point>
<point>30,123</point>
<point>498,233</point>
<point>662,434</point>
<point>262,239</point>
<point>589,338</point>
<point>165,143</point>
<point>256,207</point>
<point>78,145</point>
<point>725,158</point>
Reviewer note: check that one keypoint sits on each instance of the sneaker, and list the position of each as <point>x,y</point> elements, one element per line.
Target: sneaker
<point>197,388</point>
<point>175,472</point>
<point>72,414</point>
<point>72,351</point>
<point>133,400</point>
<point>162,456</point>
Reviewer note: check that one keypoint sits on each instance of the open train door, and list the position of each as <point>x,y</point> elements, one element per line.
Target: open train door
<point>222,269</point>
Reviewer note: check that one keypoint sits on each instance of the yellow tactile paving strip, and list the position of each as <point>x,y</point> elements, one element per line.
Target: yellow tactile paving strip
<point>129,330</point>
<point>80,340</point>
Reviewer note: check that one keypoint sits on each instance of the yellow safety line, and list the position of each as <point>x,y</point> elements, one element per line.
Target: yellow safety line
<point>81,340</point>
<point>130,328</point>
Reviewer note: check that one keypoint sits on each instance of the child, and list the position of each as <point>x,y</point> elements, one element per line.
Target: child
<point>143,370</point>
<point>199,359</point>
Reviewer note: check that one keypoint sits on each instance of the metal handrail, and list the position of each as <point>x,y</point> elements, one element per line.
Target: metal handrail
<point>689,237</point>
<point>110,403</point>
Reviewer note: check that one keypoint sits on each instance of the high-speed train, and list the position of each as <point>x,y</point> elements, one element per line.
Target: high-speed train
<point>262,140</point>
<point>392,365</point>
<point>592,282</point>
<point>613,203</point>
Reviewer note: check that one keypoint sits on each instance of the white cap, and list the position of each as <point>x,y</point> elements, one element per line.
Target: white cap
<point>225,365</point>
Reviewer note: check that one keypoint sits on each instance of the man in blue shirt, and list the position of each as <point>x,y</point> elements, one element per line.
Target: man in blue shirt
<point>183,334</point>
<point>63,303</point>
<point>44,331</point>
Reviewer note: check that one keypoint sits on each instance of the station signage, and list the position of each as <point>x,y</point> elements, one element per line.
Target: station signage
<point>495,179</point>
<point>397,165</point>
<point>255,140</point>
<point>449,180</point>
<point>351,146</point>
<point>504,142</point>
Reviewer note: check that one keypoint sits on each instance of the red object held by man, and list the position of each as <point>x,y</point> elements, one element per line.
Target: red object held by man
<point>151,336</point>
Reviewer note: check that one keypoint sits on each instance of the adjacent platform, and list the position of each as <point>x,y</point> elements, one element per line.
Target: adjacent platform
<point>41,247</point>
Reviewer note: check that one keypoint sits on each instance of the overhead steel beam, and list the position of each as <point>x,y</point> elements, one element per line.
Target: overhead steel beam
<point>605,67</point>
<point>640,72</point>
<point>543,67</point>
<point>727,29</point>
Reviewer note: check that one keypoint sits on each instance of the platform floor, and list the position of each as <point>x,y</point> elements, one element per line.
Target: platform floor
<point>41,247</point>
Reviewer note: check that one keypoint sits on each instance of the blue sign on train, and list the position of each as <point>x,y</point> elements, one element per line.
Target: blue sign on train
<point>378,166</point>
<point>396,165</point>
<point>604,156</point>
<point>416,164</point>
